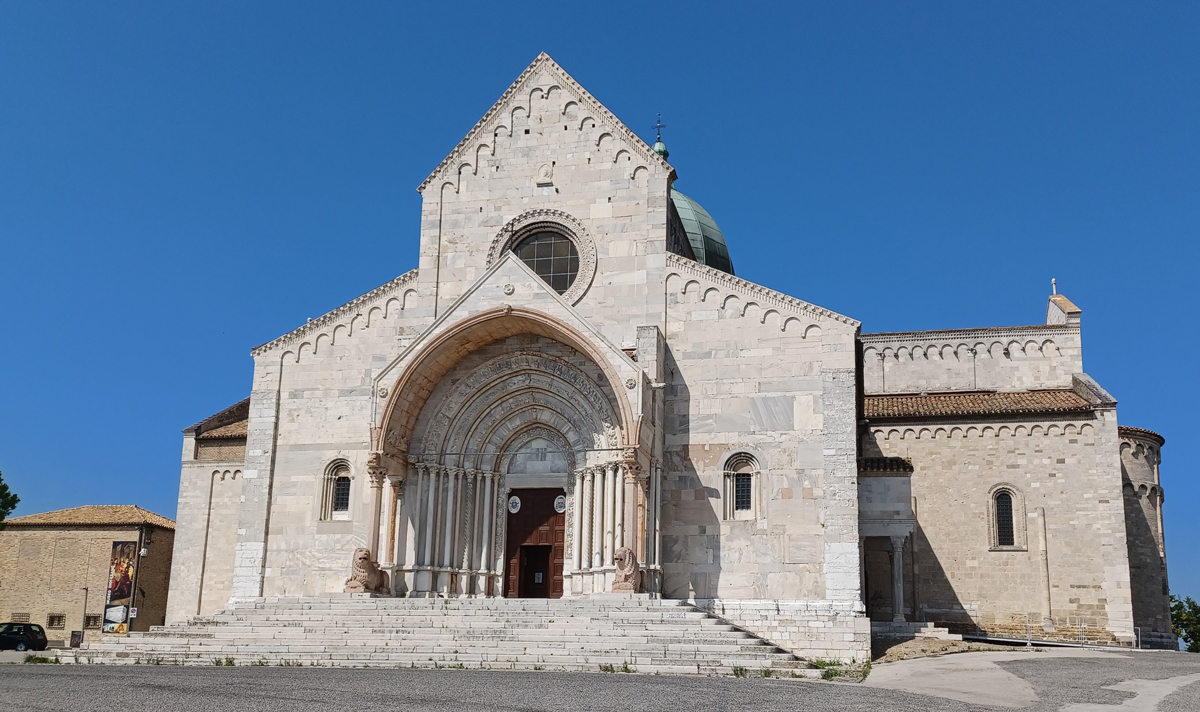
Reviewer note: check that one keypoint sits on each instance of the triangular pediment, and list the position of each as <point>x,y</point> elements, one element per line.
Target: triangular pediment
<point>542,75</point>
<point>511,281</point>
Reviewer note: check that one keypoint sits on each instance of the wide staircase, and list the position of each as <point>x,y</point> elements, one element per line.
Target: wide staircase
<point>633,634</point>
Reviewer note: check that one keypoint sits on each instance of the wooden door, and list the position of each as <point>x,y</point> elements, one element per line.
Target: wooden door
<point>534,526</point>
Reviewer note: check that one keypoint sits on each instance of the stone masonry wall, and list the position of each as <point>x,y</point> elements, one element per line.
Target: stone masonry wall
<point>1000,358</point>
<point>1140,453</point>
<point>828,630</point>
<point>749,372</point>
<point>205,537</point>
<point>1065,467</point>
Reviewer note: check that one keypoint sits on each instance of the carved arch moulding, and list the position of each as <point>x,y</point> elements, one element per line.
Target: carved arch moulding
<point>558,221</point>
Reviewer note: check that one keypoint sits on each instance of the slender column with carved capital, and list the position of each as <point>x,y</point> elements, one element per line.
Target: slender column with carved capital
<point>576,528</point>
<point>610,502</point>
<point>598,518</point>
<point>898,579</point>
<point>448,530</point>
<point>431,487</point>
<point>485,556</point>
<point>378,475</point>
<point>583,504</point>
<point>395,493</point>
<point>476,477</point>
<point>619,519</point>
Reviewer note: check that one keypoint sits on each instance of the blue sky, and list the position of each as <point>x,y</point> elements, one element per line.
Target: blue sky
<point>181,183</point>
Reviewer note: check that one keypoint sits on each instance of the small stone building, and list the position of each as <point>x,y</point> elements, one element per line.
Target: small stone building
<point>573,370</point>
<point>56,569</point>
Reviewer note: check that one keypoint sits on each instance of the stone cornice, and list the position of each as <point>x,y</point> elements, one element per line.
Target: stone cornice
<point>991,332</point>
<point>336,315</point>
<point>591,104</point>
<point>757,291</point>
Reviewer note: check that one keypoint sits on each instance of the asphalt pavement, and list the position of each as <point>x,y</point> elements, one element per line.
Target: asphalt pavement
<point>1070,681</point>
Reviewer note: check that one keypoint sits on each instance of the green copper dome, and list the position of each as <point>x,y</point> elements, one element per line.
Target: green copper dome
<point>705,237</point>
<point>661,149</point>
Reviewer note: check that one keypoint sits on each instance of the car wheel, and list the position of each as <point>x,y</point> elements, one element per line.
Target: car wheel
<point>20,647</point>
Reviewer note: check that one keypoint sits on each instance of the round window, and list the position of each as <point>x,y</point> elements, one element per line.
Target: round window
<point>552,256</point>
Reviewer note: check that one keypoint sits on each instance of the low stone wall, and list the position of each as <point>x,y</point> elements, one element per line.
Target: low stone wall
<point>832,630</point>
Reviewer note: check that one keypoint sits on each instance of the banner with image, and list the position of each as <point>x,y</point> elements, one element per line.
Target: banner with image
<point>121,570</point>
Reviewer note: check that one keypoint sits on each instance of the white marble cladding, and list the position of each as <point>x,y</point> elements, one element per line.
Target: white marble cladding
<point>753,371</point>
<point>1000,358</point>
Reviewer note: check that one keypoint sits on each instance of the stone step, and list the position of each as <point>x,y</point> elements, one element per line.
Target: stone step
<point>641,634</point>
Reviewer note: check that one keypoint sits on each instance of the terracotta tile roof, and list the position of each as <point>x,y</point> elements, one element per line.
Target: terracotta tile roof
<point>94,515</point>
<point>238,412</point>
<point>974,403</point>
<point>233,430</point>
<point>1131,432</point>
<point>884,464</point>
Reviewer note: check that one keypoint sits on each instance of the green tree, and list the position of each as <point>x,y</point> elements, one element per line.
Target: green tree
<point>8,501</point>
<point>1185,620</point>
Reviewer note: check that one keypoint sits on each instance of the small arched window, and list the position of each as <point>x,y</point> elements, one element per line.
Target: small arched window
<point>1006,518</point>
<point>741,486</point>
<point>1005,534</point>
<point>335,492</point>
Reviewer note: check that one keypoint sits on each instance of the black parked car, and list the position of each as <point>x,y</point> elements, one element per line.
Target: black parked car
<point>22,636</point>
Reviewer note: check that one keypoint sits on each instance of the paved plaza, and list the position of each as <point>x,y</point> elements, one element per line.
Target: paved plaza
<point>1066,680</point>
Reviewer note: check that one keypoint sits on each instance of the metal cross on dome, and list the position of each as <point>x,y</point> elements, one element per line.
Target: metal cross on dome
<point>659,126</point>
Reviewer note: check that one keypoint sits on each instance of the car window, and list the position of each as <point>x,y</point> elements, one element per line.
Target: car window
<point>4,628</point>
<point>37,631</point>
<point>18,629</point>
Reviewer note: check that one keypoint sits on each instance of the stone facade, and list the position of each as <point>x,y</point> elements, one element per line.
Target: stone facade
<point>713,427</point>
<point>47,560</point>
<point>979,413</point>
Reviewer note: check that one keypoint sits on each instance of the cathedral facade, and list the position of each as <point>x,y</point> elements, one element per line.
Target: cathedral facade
<point>573,394</point>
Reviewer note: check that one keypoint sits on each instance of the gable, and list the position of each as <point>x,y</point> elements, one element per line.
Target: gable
<point>540,81</point>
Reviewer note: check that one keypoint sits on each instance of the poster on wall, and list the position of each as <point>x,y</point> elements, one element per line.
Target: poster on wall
<point>121,570</point>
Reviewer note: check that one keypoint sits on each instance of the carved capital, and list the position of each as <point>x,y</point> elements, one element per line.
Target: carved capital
<point>378,476</point>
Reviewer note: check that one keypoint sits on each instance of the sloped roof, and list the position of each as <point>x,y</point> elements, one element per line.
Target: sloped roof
<point>1128,431</point>
<point>235,415</point>
<point>233,430</point>
<point>94,515</point>
<point>974,403</point>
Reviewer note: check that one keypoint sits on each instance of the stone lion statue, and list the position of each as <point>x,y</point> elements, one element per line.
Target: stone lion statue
<point>365,575</point>
<point>628,578</point>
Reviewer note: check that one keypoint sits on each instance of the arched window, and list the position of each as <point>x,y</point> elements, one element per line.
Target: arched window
<point>552,256</point>
<point>1006,518</point>
<point>1005,535</point>
<point>741,486</point>
<point>335,495</point>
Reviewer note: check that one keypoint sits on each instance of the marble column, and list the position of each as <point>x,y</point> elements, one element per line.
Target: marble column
<point>577,524</point>
<point>473,549</point>
<point>610,503</point>
<point>487,484</point>
<point>448,531</point>
<point>898,579</point>
<point>598,519</point>
<point>395,492</point>
<point>425,578</point>
<point>619,499</point>
<point>378,476</point>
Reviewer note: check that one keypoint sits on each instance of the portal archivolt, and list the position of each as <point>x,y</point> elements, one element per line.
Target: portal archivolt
<point>525,411</point>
